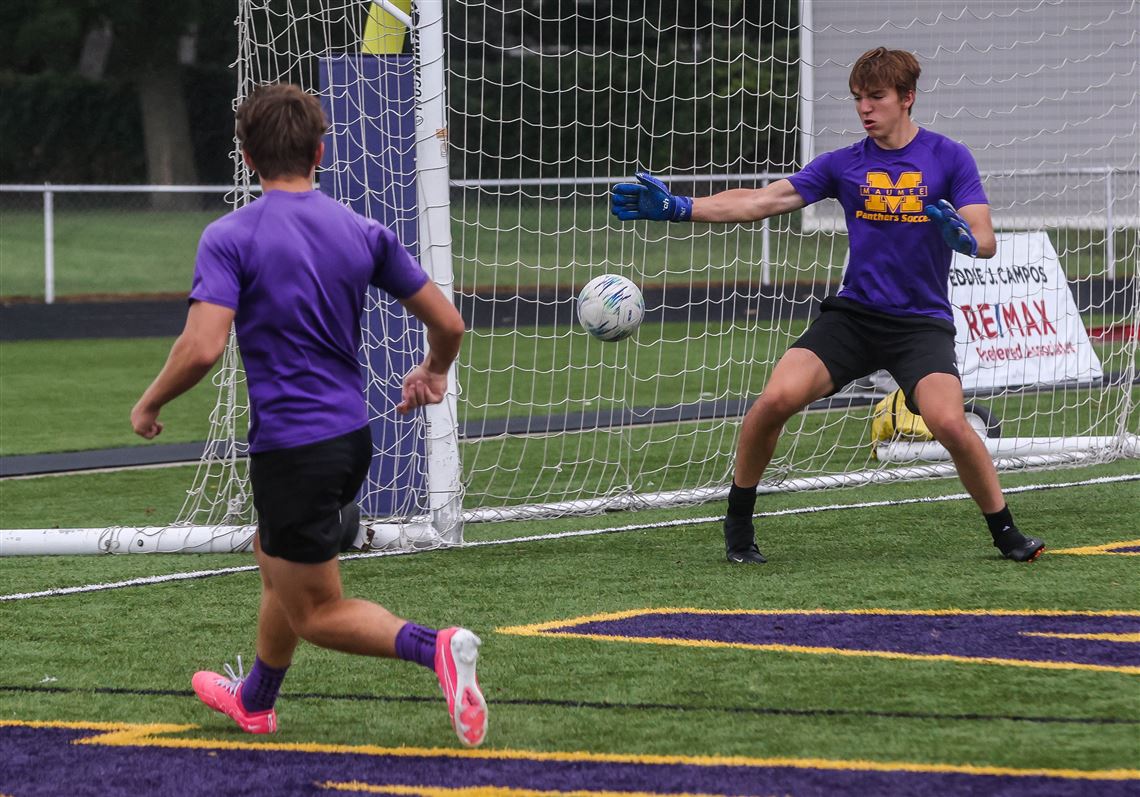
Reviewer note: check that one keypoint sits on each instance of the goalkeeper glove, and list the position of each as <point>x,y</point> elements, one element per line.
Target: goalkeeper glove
<point>648,198</point>
<point>955,231</point>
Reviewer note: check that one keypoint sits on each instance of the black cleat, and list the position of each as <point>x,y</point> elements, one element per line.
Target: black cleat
<point>740,542</point>
<point>749,556</point>
<point>1016,546</point>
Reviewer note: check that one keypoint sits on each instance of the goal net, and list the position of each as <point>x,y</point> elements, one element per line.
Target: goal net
<point>549,103</point>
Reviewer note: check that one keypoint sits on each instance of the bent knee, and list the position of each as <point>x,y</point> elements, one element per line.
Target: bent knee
<point>775,406</point>
<point>952,431</point>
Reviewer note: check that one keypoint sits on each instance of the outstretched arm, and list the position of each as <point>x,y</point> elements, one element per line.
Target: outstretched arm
<point>748,204</point>
<point>649,198</point>
<point>201,343</point>
<point>427,382</point>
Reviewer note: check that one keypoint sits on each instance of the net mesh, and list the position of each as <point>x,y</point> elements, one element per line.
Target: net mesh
<point>551,103</point>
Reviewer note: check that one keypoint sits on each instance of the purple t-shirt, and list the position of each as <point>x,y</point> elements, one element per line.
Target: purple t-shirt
<point>899,264</point>
<point>296,268</point>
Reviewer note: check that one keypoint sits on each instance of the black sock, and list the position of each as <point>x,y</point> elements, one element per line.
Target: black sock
<point>741,500</point>
<point>1000,522</point>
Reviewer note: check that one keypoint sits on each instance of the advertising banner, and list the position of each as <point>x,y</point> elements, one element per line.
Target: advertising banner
<point>1016,319</point>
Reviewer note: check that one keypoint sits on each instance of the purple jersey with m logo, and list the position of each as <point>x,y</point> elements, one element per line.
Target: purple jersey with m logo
<point>295,268</point>
<point>899,264</point>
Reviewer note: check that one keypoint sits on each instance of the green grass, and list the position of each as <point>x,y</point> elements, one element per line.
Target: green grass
<point>127,654</point>
<point>142,497</point>
<point>643,699</point>
<point>87,388</point>
<point>99,252</point>
<point>503,246</point>
<point>521,470</point>
<point>153,496</point>
<point>77,395</point>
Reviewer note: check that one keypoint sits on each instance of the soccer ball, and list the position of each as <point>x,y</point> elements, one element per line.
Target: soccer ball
<point>610,307</point>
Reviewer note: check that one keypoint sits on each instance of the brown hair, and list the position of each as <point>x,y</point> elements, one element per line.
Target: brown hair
<point>881,68</point>
<point>280,128</point>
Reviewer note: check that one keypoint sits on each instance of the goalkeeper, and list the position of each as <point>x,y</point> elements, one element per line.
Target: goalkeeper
<point>909,196</point>
<point>291,272</point>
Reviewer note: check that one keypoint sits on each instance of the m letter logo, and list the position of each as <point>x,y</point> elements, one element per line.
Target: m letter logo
<point>883,195</point>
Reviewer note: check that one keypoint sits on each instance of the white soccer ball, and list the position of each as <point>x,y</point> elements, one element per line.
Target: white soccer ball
<point>610,307</point>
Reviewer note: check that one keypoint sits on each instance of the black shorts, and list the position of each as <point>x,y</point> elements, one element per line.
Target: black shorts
<point>305,496</point>
<point>853,342</point>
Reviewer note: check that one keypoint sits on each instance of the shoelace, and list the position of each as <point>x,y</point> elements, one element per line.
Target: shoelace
<point>233,679</point>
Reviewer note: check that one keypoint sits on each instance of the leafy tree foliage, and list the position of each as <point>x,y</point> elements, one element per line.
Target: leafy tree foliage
<point>559,87</point>
<point>153,55</point>
<point>537,87</point>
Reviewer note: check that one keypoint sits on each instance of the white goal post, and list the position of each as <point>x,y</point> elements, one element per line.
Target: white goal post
<point>510,216</point>
<point>384,93</point>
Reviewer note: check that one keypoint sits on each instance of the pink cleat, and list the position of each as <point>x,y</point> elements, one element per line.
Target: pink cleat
<point>222,693</point>
<point>456,652</point>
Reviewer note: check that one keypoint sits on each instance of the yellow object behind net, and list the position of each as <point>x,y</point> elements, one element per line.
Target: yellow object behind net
<point>383,33</point>
<point>893,421</point>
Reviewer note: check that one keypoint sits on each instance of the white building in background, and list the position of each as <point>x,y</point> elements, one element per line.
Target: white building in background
<point>1045,94</point>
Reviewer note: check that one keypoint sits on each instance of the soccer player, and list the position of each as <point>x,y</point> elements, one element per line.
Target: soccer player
<point>910,196</point>
<point>292,269</point>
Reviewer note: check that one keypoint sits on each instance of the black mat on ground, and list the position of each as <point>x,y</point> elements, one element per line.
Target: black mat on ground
<point>69,320</point>
<point>132,457</point>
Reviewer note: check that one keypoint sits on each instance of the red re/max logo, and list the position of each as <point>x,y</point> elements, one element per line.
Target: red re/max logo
<point>1003,320</point>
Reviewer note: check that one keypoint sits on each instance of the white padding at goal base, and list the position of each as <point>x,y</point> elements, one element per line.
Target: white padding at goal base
<point>189,539</point>
<point>127,539</point>
<point>898,451</point>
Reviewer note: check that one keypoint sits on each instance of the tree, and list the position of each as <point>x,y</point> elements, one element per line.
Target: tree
<point>154,43</point>
<point>151,45</point>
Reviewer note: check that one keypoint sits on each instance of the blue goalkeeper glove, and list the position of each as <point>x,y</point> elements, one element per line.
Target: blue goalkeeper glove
<point>955,231</point>
<point>648,198</point>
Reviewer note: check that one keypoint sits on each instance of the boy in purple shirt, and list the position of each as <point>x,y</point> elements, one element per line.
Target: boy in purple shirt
<point>291,271</point>
<point>910,196</point>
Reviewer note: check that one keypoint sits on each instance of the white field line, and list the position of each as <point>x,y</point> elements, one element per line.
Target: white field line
<point>806,510</point>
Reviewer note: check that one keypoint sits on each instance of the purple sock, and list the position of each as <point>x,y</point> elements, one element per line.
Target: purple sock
<point>416,643</point>
<point>259,691</point>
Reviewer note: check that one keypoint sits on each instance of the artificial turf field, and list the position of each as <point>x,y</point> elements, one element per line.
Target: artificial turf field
<point>883,650</point>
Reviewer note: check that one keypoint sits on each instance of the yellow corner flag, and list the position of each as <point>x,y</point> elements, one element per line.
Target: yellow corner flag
<point>383,33</point>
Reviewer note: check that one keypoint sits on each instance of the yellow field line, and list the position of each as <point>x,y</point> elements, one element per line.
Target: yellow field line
<point>544,629</point>
<point>530,630</point>
<point>115,734</point>
<point>1108,548</point>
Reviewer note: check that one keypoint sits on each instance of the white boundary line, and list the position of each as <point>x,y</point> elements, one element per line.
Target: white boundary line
<point>806,510</point>
<point>131,582</point>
